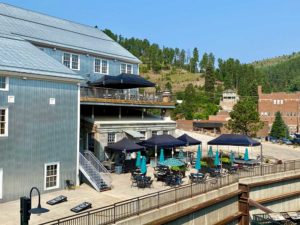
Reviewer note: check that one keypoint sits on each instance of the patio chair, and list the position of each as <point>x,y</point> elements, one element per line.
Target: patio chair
<point>149,183</point>
<point>70,185</point>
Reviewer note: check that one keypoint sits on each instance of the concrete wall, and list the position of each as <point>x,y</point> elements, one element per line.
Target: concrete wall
<point>206,216</point>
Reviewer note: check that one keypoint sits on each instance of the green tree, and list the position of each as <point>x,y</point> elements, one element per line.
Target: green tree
<point>209,84</point>
<point>245,118</point>
<point>204,62</point>
<point>194,61</point>
<point>279,128</point>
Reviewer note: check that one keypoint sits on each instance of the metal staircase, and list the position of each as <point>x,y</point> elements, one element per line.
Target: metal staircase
<point>94,171</point>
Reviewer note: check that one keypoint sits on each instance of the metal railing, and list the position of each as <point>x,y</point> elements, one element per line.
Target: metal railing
<point>104,173</point>
<point>109,93</point>
<point>135,206</point>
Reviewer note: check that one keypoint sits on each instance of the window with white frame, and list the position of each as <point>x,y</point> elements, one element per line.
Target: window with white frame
<point>3,83</point>
<point>126,68</point>
<point>144,134</point>
<point>154,132</point>
<point>71,61</point>
<point>111,138</point>
<point>101,66</point>
<point>3,122</point>
<point>51,176</point>
<point>165,132</point>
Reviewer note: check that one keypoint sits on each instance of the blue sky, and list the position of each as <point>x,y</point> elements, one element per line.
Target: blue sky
<point>245,29</point>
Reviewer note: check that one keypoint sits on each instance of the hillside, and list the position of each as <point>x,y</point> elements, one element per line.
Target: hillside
<point>281,73</point>
<point>178,78</point>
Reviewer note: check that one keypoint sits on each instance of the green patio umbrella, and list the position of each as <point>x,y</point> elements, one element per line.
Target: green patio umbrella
<point>138,160</point>
<point>246,155</point>
<point>198,160</point>
<point>231,157</point>
<point>210,152</point>
<point>217,159</point>
<point>161,156</point>
<point>143,166</point>
<point>172,162</point>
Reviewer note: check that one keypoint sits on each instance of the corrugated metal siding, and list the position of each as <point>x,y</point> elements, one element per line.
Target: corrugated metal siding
<point>38,133</point>
<point>87,65</point>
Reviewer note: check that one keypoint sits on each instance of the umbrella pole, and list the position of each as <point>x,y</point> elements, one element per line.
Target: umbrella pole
<point>261,160</point>
<point>155,155</point>
<point>173,152</point>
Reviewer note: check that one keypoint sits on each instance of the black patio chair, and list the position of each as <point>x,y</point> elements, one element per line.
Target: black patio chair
<point>70,185</point>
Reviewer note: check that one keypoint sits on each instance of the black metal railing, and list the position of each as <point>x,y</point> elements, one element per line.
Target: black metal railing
<point>121,94</point>
<point>135,206</point>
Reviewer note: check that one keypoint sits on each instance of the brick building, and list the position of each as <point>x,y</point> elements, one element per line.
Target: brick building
<point>286,103</point>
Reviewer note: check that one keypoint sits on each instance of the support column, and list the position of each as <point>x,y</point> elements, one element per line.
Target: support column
<point>243,204</point>
<point>120,113</point>
<point>143,111</point>
<point>93,116</point>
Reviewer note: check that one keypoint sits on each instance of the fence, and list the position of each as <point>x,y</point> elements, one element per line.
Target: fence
<point>131,207</point>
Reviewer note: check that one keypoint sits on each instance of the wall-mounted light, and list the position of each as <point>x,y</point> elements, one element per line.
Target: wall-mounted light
<point>24,78</point>
<point>54,49</point>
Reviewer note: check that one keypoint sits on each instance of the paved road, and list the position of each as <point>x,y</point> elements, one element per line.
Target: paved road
<point>270,150</point>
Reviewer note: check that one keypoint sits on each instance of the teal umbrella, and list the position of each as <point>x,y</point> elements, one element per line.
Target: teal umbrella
<point>180,155</point>
<point>217,159</point>
<point>246,155</point>
<point>231,157</point>
<point>161,156</point>
<point>210,152</point>
<point>172,162</point>
<point>198,160</point>
<point>143,166</point>
<point>138,160</point>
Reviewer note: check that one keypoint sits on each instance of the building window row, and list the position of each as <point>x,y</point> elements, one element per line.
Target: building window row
<point>72,61</point>
<point>265,113</point>
<point>277,102</point>
<point>291,114</point>
<point>111,137</point>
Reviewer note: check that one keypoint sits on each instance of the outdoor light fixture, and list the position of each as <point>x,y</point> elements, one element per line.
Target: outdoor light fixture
<point>26,209</point>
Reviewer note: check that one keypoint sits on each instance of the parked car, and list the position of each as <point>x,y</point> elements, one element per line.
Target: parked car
<point>272,139</point>
<point>286,141</point>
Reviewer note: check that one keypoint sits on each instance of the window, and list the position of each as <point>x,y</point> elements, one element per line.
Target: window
<point>3,122</point>
<point>111,138</point>
<point>101,66</point>
<point>51,176</point>
<point>3,83</point>
<point>165,132</point>
<point>154,132</point>
<point>143,133</point>
<point>1,182</point>
<point>71,61</point>
<point>274,102</point>
<point>126,68</point>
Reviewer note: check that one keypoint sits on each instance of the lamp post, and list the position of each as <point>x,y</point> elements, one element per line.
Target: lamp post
<point>26,210</point>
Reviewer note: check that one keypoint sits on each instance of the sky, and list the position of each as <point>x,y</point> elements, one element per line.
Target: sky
<point>247,30</point>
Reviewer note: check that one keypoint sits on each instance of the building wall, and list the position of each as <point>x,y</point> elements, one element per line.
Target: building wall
<point>286,103</point>
<point>38,133</point>
<point>87,64</point>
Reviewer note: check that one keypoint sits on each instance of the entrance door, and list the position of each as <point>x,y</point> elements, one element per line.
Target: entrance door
<point>1,182</point>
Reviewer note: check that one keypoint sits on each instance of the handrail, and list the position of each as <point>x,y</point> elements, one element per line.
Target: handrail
<point>104,173</point>
<point>155,200</point>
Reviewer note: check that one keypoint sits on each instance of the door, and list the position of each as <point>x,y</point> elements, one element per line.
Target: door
<point>1,182</point>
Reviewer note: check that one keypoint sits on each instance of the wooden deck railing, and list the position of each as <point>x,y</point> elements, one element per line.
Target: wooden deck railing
<point>135,206</point>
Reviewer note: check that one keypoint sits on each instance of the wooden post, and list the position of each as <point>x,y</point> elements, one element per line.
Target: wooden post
<point>243,204</point>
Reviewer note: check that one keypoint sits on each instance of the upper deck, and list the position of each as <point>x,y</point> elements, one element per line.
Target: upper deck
<point>124,97</point>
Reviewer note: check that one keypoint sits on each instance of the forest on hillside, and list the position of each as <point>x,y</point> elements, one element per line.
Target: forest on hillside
<point>199,101</point>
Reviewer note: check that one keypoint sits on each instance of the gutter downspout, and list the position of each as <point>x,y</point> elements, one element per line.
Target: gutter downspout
<point>78,134</point>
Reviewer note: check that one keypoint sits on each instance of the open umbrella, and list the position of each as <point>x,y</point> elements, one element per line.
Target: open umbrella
<point>217,159</point>
<point>143,166</point>
<point>138,160</point>
<point>246,155</point>
<point>231,157</point>
<point>198,160</point>
<point>161,156</point>
<point>172,162</point>
<point>210,152</point>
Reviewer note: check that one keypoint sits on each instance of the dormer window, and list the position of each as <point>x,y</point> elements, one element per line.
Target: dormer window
<point>3,83</point>
<point>101,66</point>
<point>126,68</point>
<point>71,61</point>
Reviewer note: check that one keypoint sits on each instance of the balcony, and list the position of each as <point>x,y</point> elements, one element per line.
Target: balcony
<point>124,97</point>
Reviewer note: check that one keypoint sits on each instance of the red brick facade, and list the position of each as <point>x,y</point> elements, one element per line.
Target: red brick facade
<point>286,103</point>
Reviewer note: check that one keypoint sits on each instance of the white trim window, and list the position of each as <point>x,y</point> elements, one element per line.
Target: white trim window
<point>143,133</point>
<point>3,83</point>
<point>126,68</point>
<point>154,133</point>
<point>111,138</point>
<point>71,61</point>
<point>3,122</point>
<point>165,132</point>
<point>100,66</point>
<point>1,182</point>
<point>52,171</point>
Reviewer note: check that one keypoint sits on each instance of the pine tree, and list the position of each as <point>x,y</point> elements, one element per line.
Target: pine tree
<point>209,84</point>
<point>279,129</point>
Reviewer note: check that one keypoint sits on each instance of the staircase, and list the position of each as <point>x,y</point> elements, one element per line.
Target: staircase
<point>94,171</point>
